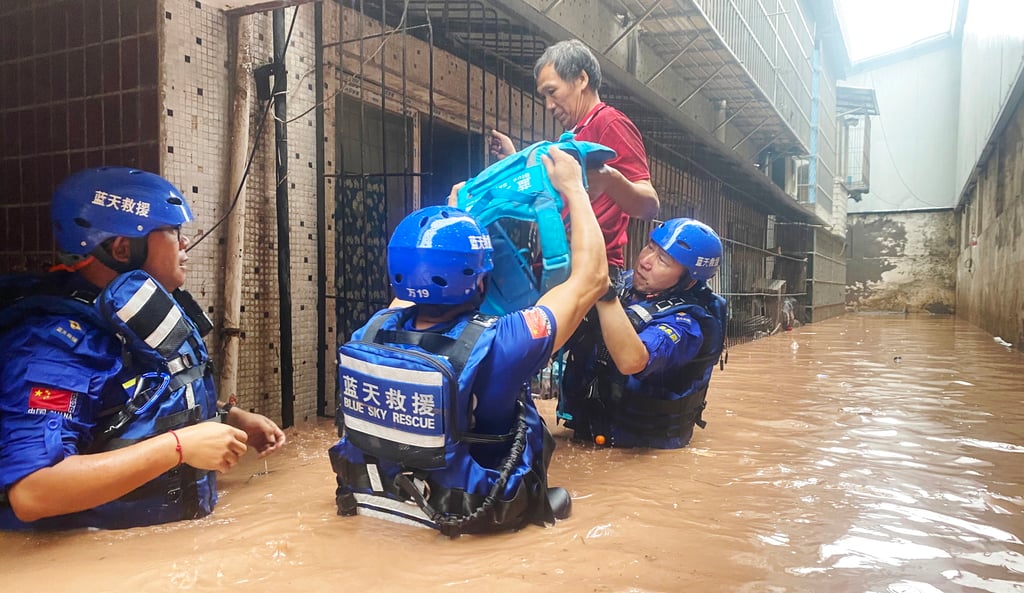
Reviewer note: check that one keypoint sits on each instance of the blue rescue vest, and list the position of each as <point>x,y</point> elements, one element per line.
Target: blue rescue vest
<point>633,412</point>
<point>171,387</point>
<point>517,187</point>
<point>406,418</point>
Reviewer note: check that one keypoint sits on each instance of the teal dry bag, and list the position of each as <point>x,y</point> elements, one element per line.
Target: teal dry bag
<point>517,187</point>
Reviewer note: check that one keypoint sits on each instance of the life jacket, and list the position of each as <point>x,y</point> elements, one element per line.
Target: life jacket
<point>172,387</point>
<point>408,452</point>
<point>659,412</point>
<point>517,187</point>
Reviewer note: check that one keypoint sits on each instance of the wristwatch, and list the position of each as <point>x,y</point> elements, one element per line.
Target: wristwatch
<point>614,284</point>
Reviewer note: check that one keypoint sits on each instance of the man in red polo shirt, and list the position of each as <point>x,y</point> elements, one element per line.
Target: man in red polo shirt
<point>568,77</point>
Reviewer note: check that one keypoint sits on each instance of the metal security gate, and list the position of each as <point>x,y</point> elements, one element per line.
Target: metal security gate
<point>361,281</point>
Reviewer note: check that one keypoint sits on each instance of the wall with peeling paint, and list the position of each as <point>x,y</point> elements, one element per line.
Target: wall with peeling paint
<point>902,261</point>
<point>990,278</point>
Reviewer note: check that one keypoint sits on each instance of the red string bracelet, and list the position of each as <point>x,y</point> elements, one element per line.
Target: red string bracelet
<point>177,446</point>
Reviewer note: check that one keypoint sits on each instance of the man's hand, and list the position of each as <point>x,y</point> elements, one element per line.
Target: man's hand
<point>263,435</point>
<point>501,145</point>
<point>453,196</point>
<point>637,199</point>
<point>564,171</point>
<point>211,445</point>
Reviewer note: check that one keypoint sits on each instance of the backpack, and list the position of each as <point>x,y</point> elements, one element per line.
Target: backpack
<point>403,405</point>
<point>517,187</point>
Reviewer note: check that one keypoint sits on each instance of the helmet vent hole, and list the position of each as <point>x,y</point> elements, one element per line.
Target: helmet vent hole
<point>398,278</point>
<point>468,272</point>
<point>440,281</point>
<point>684,245</point>
<point>85,224</point>
<point>444,214</point>
<point>174,200</point>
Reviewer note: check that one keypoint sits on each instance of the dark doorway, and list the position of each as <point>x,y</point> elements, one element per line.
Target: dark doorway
<point>449,156</point>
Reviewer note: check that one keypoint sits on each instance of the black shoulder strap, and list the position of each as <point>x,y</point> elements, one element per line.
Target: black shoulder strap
<point>376,324</point>
<point>641,314</point>
<point>456,350</point>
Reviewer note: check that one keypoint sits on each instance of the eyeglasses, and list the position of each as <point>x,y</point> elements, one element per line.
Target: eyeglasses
<point>175,230</point>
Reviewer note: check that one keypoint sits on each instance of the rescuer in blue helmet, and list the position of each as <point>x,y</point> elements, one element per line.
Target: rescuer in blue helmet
<point>108,414</point>
<point>437,424</point>
<point>637,375</point>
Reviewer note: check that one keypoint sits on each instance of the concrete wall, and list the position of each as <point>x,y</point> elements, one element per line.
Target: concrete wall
<point>901,236</point>
<point>990,271</point>
<point>914,137</point>
<point>902,261</point>
<point>992,58</point>
<point>990,170</point>
<point>950,134</point>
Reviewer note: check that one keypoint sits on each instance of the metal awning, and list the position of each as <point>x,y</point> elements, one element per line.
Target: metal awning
<point>855,101</point>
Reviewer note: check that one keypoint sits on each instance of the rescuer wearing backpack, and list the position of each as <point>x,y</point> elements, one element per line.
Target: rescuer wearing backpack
<point>436,417</point>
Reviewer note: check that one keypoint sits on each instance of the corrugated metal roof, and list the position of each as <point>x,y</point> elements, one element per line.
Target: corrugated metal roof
<point>855,101</point>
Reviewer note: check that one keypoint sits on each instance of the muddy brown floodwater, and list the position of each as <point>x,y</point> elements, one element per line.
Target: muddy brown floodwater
<point>861,454</point>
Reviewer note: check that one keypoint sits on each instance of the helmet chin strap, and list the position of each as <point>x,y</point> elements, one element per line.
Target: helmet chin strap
<point>137,253</point>
<point>685,283</point>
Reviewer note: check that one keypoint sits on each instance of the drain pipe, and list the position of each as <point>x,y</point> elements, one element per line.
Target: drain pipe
<point>812,167</point>
<point>322,348</point>
<point>241,29</point>
<point>284,267</point>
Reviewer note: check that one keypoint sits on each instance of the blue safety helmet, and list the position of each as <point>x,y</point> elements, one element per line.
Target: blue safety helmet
<point>437,254</point>
<point>691,243</point>
<point>94,205</point>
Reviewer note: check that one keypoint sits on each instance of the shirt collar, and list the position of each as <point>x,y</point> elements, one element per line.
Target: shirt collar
<point>588,117</point>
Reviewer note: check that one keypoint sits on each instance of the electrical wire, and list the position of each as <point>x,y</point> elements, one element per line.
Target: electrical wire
<point>255,146</point>
<point>895,168</point>
<point>384,39</point>
<point>899,174</point>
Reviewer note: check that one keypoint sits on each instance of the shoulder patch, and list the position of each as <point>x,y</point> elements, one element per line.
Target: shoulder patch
<point>537,321</point>
<point>69,331</point>
<point>669,331</point>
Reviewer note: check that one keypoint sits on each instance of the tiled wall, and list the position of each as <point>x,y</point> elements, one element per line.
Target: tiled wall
<point>194,109</point>
<point>145,83</point>
<point>196,137</point>
<point>79,89</point>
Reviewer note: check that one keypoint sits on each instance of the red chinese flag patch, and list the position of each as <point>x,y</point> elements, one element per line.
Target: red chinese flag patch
<point>537,322</point>
<point>50,398</point>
